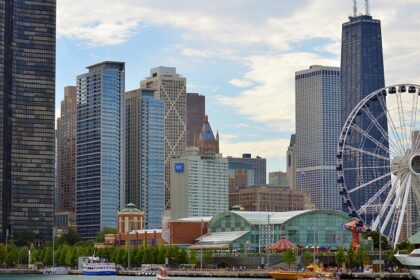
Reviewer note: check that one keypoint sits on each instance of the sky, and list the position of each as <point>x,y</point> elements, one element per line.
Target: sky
<point>240,54</point>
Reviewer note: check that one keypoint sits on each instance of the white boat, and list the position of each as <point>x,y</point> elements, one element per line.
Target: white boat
<point>59,270</point>
<point>411,261</point>
<point>96,266</point>
<point>162,275</point>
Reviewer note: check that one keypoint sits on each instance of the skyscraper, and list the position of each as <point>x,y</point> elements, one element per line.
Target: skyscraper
<point>291,162</point>
<point>171,88</point>
<point>318,126</point>
<point>204,139</point>
<point>258,165</point>
<point>196,110</point>
<point>145,154</point>
<point>66,152</point>
<point>27,117</point>
<point>362,72</point>
<point>100,147</point>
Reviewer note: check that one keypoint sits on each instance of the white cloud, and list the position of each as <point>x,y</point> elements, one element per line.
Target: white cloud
<point>225,137</point>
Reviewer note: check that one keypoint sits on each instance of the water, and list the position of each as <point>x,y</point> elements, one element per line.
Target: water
<point>81,277</point>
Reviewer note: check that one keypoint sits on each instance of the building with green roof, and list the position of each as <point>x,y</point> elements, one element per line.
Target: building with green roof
<point>254,231</point>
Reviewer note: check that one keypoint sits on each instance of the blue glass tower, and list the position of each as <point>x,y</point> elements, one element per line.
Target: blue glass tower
<point>145,154</point>
<point>99,148</point>
<point>362,72</point>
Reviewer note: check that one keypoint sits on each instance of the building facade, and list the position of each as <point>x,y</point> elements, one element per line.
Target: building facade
<point>205,141</point>
<point>27,117</point>
<point>196,110</point>
<point>318,127</point>
<point>66,152</point>
<point>291,162</point>
<point>278,178</point>
<point>145,154</point>
<point>362,72</point>
<point>99,147</point>
<point>270,198</point>
<point>199,185</point>
<point>171,88</point>
<point>258,165</point>
<point>130,218</point>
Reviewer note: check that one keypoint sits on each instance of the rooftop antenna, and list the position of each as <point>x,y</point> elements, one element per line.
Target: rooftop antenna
<point>354,8</point>
<point>367,7</point>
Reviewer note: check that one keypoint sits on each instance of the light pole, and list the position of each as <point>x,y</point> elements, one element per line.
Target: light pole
<point>129,245</point>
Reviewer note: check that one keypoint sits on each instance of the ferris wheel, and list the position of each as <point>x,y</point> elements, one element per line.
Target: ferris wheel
<point>378,161</point>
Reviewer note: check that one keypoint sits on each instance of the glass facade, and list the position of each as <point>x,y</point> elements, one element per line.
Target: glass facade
<point>259,165</point>
<point>306,228</point>
<point>362,72</point>
<point>196,110</point>
<point>99,161</point>
<point>318,126</point>
<point>27,116</point>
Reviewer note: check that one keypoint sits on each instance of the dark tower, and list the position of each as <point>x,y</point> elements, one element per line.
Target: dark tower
<point>362,72</point>
<point>27,112</point>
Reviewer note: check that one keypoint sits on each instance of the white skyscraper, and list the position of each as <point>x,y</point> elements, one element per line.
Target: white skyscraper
<point>318,125</point>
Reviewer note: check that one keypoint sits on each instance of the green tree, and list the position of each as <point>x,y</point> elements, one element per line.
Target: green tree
<point>12,254</point>
<point>375,238</point>
<point>192,257</point>
<point>34,256</point>
<point>26,237</point>
<point>350,256</point>
<point>100,235</point>
<point>148,255</point>
<point>361,255</point>
<point>47,260</point>
<point>307,257</point>
<point>69,256</point>
<point>139,256</point>
<point>71,237</point>
<point>207,256</point>
<point>289,257</point>
<point>3,254</point>
<point>161,254</point>
<point>23,255</point>
<point>183,257</point>
<point>340,256</point>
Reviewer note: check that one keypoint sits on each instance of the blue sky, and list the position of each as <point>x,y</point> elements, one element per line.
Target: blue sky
<point>240,54</point>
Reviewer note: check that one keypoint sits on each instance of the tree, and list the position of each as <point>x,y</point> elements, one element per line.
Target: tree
<point>340,256</point>
<point>100,235</point>
<point>148,255</point>
<point>207,256</point>
<point>192,257</point>
<point>12,254</point>
<point>361,255</point>
<point>71,237</point>
<point>183,257</point>
<point>2,254</point>
<point>350,256</point>
<point>47,260</point>
<point>69,256</point>
<point>307,258</point>
<point>23,255</point>
<point>26,237</point>
<point>375,238</point>
<point>289,257</point>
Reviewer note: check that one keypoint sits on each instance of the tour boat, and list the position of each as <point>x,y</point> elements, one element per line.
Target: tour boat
<point>411,261</point>
<point>55,270</point>
<point>95,266</point>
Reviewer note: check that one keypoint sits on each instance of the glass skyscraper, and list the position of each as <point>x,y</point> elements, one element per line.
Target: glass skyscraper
<point>145,154</point>
<point>99,147</point>
<point>318,126</point>
<point>362,72</point>
<point>27,117</point>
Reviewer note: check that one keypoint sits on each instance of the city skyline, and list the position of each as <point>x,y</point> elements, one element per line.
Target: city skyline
<point>262,60</point>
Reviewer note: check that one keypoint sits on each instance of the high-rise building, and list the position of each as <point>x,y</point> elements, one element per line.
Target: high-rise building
<point>100,147</point>
<point>171,88</point>
<point>66,152</point>
<point>27,117</point>
<point>362,72</point>
<point>291,162</point>
<point>145,154</point>
<point>196,110</point>
<point>241,175</point>
<point>206,142</point>
<point>318,126</point>
<point>278,178</point>
<point>199,185</point>
<point>258,164</point>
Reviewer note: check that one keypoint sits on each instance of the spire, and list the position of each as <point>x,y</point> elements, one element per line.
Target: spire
<point>367,7</point>
<point>354,8</point>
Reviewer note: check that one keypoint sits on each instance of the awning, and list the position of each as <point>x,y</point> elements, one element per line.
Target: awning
<point>221,237</point>
<point>209,246</point>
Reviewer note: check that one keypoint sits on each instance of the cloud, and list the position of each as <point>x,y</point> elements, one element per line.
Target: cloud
<point>269,148</point>
<point>271,101</point>
<point>226,137</point>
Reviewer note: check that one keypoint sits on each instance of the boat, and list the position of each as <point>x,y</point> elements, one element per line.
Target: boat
<point>55,270</point>
<point>312,272</point>
<point>162,275</point>
<point>96,266</point>
<point>411,261</point>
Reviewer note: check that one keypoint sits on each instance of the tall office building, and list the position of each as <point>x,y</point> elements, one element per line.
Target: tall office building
<point>145,154</point>
<point>199,185</point>
<point>204,140</point>
<point>291,162</point>
<point>258,165</point>
<point>278,178</point>
<point>362,72</point>
<point>171,88</point>
<point>100,147</point>
<point>196,110</point>
<point>27,117</point>
<point>66,152</point>
<point>318,126</point>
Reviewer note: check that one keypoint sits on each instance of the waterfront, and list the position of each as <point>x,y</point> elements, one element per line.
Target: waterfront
<point>81,277</point>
